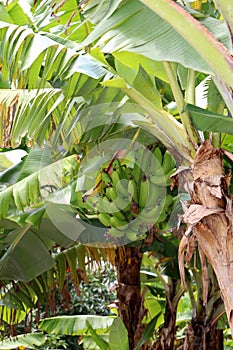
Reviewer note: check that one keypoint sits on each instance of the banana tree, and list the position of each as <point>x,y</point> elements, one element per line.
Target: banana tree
<point>210,228</point>
<point>65,63</point>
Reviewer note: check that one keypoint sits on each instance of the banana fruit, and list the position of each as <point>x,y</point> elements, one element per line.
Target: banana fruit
<point>131,196</point>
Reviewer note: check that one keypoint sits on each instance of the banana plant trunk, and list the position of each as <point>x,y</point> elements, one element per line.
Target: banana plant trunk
<point>130,301</point>
<point>210,218</point>
<point>167,333</point>
<point>200,337</point>
<point>202,332</point>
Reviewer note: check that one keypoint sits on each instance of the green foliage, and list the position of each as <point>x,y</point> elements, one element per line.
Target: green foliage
<point>148,332</point>
<point>69,73</point>
<point>212,122</point>
<point>30,340</point>
<point>75,325</point>
<point>170,45</point>
<point>118,337</point>
<point>94,296</point>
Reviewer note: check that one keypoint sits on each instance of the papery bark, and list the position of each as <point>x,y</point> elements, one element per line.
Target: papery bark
<point>214,232</point>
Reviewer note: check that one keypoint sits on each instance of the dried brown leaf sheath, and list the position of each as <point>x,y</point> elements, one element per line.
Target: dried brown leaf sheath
<point>209,216</point>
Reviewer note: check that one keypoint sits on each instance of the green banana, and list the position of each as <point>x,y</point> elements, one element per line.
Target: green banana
<point>154,164</point>
<point>162,217</point>
<point>143,193</point>
<point>115,176</point>
<point>146,161</point>
<point>105,177</point>
<point>158,155</point>
<point>103,204</point>
<point>105,219</point>
<point>117,166</point>
<point>115,222</point>
<point>118,201</point>
<point>134,225</point>
<point>111,193</point>
<point>122,187</point>
<point>157,195</point>
<point>139,156</point>
<point>158,180</point>
<point>132,191</point>
<point>169,162</point>
<point>136,172</point>
<point>122,203</point>
<point>119,215</point>
<point>162,180</point>
<point>114,232</point>
<point>168,201</point>
<point>150,216</point>
<point>135,231</point>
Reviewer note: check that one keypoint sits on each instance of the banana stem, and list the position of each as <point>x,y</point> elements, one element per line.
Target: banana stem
<point>190,91</point>
<point>192,298</point>
<point>165,127</point>
<point>178,96</point>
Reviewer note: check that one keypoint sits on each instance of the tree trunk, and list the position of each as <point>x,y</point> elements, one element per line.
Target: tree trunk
<point>202,332</point>
<point>199,337</point>
<point>130,302</point>
<point>168,332</point>
<point>210,217</point>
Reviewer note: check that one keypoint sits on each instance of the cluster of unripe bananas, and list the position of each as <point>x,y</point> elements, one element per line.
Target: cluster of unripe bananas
<point>131,194</point>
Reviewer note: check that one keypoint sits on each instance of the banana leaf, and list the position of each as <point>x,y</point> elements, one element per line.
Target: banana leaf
<point>205,120</point>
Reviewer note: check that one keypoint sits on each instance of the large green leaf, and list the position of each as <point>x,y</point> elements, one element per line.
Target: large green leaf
<point>148,332</point>
<point>24,52</point>
<point>133,60</point>
<point>75,324</point>
<point>28,341</point>
<point>34,161</point>
<point>205,120</point>
<point>64,219</point>
<point>31,191</point>
<point>21,107</point>
<point>21,261</point>
<point>216,55</point>
<point>157,40</point>
<point>118,337</point>
<point>103,345</point>
<point>13,13</point>
<point>59,119</point>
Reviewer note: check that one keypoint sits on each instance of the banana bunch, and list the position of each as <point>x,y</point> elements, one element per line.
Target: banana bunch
<point>131,196</point>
